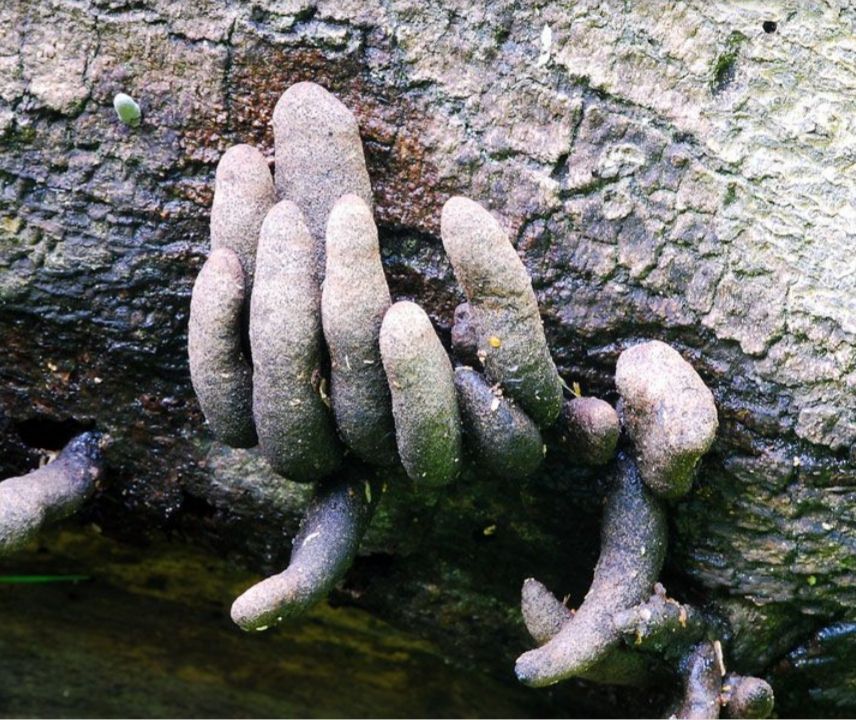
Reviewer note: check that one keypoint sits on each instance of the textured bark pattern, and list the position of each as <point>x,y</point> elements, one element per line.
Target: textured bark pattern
<point>683,175</point>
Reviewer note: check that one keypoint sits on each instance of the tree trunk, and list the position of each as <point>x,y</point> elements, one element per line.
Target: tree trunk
<point>682,172</point>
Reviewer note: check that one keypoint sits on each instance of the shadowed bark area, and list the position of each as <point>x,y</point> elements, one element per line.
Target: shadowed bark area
<point>681,176</point>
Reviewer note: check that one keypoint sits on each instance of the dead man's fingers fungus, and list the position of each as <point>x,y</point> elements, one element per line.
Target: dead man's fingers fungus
<point>633,546</point>
<point>507,443</point>
<point>746,697</point>
<point>219,372</point>
<point>354,299</point>
<point>590,429</point>
<point>701,673</point>
<point>50,493</point>
<point>323,550</point>
<point>545,615</point>
<point>319,156</point>
<point>504,309</point>
<point>243,193</point>
<point>465,337</point>
<point>669,414</point>
<point>295,426</point>
<point>424,405</point>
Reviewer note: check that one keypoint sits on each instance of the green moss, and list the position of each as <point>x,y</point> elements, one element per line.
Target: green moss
<point>722,72</point>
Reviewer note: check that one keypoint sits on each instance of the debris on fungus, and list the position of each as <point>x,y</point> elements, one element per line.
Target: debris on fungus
<point>243,194</point>
<point>633,546</point>
<point>219,372</point>
<point>295,427</point>
<point>354,299</point>
<point>319,156</point>
<point>668,412</point>
<point>323,550</point>
<point>424,404</point>
<point>504,309</point>
<point>51,493</point>
<point>590,429</point>
<point>506,442</point>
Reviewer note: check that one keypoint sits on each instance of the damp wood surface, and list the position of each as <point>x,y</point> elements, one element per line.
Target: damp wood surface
<point>678,176</point>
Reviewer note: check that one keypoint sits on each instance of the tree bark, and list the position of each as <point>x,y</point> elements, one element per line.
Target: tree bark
<point>673,172</point>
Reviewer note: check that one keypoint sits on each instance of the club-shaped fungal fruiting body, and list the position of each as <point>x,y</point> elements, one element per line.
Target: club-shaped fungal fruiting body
<point>424,405</point>
<point>621,621</point>
<point>354,300</point>
<point>295,426</point>
<point>506,442</point>
<point>591,429</point>
<point>633,546</point>
<point>669,414</point>
<point>322,552</point>
<point>51,493</point>
<point>504,309</point>
<point>221,376</point>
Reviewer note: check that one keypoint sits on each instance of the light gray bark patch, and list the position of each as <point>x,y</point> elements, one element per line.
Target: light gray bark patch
<point>295,425</point>
<point>220,374</point>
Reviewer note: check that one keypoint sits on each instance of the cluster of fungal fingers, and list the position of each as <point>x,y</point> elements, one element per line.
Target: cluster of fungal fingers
<point>296,346</point>
<point>627,631</point>
<point>50,493</point>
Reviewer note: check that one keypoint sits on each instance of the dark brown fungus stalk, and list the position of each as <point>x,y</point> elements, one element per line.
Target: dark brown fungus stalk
<point>243,193</point>
<point>544,616</point>
<point>319,157</point>
<point>633,546</point>
<point>590,429</point>
<point>504,309</point>
<point>701,673</point>
<point>669,414</point>
<point>50,493</point>
<point>507,443</point>
<point>295,426</point>
<point>220,374</point>
<point>746,697</point>
<point>354,299</point>
<point>421,382</point>
<point>323,550</point>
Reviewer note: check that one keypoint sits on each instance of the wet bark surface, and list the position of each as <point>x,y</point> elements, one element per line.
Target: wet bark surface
<point>680,177</point>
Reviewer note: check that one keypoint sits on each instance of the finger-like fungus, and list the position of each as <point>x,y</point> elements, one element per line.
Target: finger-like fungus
<point>323,550</point>
<point>669,414</point>
<point>50,493</point>
<point>421,382</point>
<point>319,156</point>
<point>243,194</point>
<point>507,443</point>
<point>504,309</point>
<point>544,616</point>
<point>219,372</point>
<point>591,429</point>
<point>295,426</point>
<point>354,299</point>
<point>633,546</point>
<point>746,697</point>
<point>465,338</point>
<point>701,672</point>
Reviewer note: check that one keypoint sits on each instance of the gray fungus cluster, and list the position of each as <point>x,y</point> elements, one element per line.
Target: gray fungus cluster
<point>296,346</point>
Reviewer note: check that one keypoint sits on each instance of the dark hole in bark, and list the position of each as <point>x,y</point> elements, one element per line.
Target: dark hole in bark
<point>47,433</point>
<point>769,26</point>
